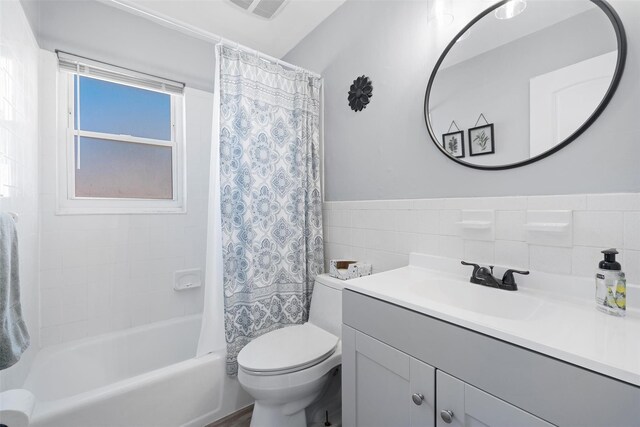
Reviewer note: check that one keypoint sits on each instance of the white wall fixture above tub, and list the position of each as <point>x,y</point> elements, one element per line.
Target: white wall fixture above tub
<point>187,279</point>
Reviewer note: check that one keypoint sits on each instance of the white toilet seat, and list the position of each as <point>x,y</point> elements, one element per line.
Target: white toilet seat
<point>291,380</point>
<point>287,350</point>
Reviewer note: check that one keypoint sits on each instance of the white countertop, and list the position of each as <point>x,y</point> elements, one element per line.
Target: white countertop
<point>551,314</point>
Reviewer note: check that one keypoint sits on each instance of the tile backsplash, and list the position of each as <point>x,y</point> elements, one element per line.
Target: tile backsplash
<point>554,234</point>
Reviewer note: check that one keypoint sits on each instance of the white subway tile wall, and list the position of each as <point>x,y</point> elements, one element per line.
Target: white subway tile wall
<point>19,163</point>
<point>384,232</point>
<point>101,273</point>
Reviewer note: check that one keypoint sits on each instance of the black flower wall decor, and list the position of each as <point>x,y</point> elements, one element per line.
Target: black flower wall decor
<point>360,93</point>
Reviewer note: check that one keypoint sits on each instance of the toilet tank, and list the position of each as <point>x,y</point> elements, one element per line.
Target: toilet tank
<point>326,304</point>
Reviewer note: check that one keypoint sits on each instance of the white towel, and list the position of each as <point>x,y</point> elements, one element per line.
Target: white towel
<point>14,338</point>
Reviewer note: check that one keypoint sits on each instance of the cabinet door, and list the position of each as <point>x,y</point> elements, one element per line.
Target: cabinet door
<point>471,407</point>
<point>380,384</point>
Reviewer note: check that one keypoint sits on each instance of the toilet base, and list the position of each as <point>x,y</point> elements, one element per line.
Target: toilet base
<point>267,416</point>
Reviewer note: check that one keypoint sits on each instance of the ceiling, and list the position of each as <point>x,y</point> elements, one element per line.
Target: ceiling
<point>274,37</point>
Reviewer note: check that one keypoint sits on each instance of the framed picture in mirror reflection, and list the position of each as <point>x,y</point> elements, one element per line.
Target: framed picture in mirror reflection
<point>481,140</point>
<point>453,143</point>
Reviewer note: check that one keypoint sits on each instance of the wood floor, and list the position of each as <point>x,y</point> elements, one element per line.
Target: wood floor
<point>241,418</point>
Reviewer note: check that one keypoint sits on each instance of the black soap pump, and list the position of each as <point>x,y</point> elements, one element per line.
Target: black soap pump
<point>611,285</point>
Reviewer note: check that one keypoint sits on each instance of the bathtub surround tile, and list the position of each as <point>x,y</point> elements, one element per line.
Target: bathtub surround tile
<point>74,313</point>
<point>50,279</point>
<point>51,314</point>
<point>73,331</point>
<point>595,222</point>
<point>19,153</point>
<point>49,336</point>
<point>115,271</point>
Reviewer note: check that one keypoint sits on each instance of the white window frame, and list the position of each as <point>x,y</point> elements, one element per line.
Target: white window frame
<point>68,203</point>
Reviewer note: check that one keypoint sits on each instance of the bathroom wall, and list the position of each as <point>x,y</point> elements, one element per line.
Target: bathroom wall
<point>98,31</point>
<point>19,163</point>
<point>101,273</point>
<point>385,152</point>
<point>384,232</point>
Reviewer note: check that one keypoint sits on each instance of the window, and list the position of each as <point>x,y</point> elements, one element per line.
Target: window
<point>122,149</point>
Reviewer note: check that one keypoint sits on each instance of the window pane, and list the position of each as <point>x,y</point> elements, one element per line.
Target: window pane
<point>123,110</point>
<point>116,169</point>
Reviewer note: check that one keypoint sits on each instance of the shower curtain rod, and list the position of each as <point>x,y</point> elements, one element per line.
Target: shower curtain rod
<point>198,33</point>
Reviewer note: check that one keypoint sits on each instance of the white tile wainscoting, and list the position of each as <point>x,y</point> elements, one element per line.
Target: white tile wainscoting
<point>102,273</point>
<point>384,232</point>
<point>19,163</point>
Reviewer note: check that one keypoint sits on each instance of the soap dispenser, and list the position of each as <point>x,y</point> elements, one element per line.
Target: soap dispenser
<point>611,285</point>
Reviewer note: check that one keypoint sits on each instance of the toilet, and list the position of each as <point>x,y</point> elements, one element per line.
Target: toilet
<point>289,370</point>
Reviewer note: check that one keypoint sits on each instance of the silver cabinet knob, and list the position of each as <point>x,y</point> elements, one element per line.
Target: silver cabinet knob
<point>417,398</point>
<point>447,416</point>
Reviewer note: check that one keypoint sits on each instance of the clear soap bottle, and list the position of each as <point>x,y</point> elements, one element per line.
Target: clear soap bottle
<point>611,285</point>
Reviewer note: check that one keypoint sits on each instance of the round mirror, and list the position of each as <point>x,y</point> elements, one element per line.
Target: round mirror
<point>524,79</point>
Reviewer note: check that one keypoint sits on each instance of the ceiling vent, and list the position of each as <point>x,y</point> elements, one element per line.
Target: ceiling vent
<point>266,9</point>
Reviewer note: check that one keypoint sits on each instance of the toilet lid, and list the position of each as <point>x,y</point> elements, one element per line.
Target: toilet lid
<point>287,349</point>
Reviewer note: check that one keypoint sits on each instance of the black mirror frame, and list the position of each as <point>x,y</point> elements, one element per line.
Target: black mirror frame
<point>620,63</point>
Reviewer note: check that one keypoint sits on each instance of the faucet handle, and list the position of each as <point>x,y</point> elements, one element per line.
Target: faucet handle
<point>508,279</point>
<point>469,263</point>
<point>476,268</point>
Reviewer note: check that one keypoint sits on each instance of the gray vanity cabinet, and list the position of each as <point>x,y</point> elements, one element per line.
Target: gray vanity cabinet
<point>384,387</point>
<point>462,405</point>
<point>391,353</point>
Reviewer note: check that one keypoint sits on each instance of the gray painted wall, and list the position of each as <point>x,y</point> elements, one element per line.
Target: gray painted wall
<point>98,31</point>
<point>385,152</point>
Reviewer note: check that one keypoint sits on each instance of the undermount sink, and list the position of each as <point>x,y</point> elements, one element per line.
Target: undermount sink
<point>479,299</point>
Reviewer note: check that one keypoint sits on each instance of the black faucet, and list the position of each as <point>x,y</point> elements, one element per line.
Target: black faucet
<point>484,276</point>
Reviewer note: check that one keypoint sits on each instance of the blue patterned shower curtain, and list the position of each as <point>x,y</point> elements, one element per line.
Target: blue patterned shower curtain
<point>272,246</point>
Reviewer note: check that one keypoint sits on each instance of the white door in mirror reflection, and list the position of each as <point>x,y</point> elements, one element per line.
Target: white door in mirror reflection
<point>562,100</point>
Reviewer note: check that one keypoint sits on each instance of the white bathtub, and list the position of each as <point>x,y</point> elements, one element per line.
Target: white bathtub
<point>140,377</point>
